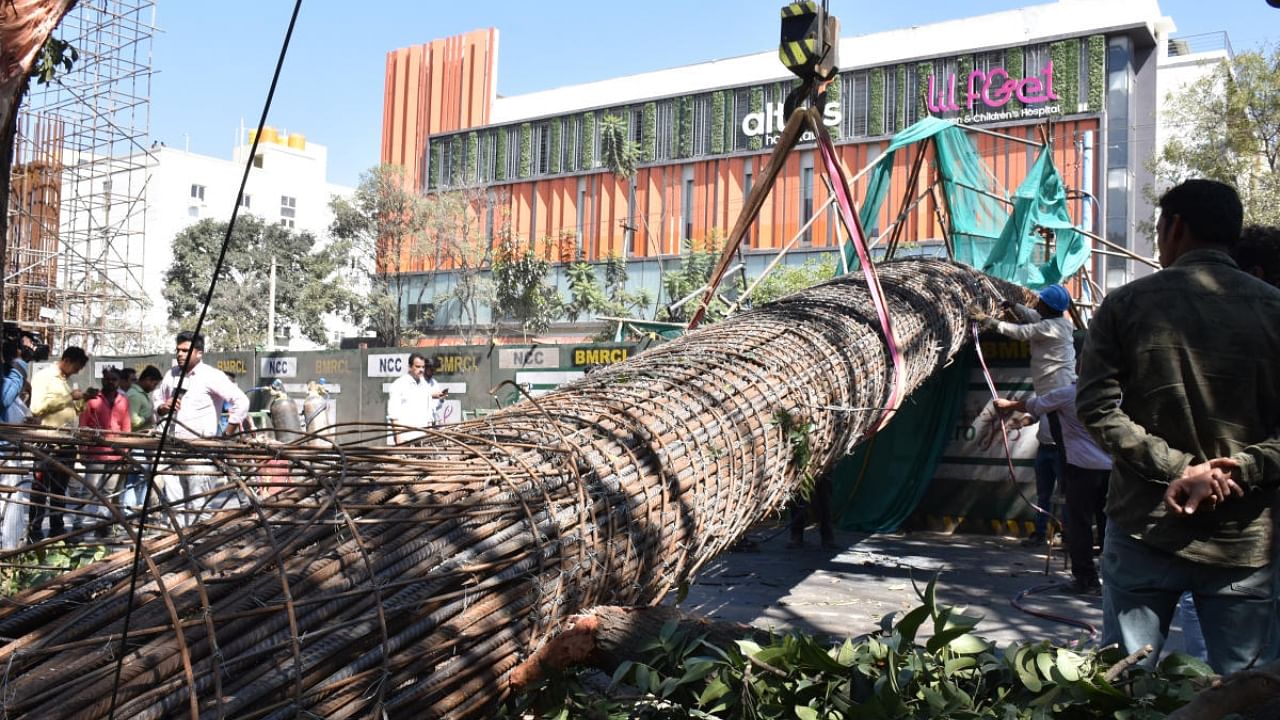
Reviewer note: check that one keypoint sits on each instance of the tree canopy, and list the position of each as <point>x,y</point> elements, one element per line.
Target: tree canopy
<point>237,317</point>
<point>1227,128</point>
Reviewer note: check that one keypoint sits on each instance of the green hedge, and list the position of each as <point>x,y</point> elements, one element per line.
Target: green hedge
<point>1097,72</point>
<point>875,111</point>
<point>588,134</point>
<point>648,132</point>
<point>717,122</point>
<point>500,155</point>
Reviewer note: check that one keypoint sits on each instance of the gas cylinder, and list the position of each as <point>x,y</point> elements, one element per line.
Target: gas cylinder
<point>284,414</point>
<point>315,408</point>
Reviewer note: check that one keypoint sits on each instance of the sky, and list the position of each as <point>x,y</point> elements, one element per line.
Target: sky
<point>213,60</point>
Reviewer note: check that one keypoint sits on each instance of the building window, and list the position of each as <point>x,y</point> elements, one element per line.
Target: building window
<point>193,211</point>
<point>686,205</point>
<point>197,192</point>
<point>702,125</point>
<point>287,222</point>
<point>860,103</point>
<point>741,107</point>
<point>579,225</point>
<point>288,208</point>
<point>890,99</point>
<point>244,201</point>
<point>257,160</point>
<point>806,195</point>
<point>663,129</point>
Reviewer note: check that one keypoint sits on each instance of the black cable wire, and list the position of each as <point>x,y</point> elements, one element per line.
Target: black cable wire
<point>167,426</point>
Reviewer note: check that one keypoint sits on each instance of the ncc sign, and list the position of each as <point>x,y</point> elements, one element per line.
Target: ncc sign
<point>392,365</point>
<point>547,358</point>
<point>278,367</point>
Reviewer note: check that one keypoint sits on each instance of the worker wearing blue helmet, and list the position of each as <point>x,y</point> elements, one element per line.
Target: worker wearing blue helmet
<point>1053,365</point>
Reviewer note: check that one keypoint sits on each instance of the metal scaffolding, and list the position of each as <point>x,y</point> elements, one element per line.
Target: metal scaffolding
<point>78,204</point>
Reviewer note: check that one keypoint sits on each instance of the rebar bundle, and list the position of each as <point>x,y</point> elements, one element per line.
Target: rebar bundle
<point>355,581</point>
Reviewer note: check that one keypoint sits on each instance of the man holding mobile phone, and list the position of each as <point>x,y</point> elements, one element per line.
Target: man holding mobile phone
<point>414,399</point>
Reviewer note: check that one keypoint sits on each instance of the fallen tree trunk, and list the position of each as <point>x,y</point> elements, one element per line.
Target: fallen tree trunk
<point>607,636</point>
<point>412,582</point>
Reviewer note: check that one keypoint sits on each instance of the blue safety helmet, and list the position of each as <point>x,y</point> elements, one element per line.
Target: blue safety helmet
<point>1056,297</point>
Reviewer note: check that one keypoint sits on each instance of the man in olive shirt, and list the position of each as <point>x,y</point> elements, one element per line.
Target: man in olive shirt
<point>1180,383</point>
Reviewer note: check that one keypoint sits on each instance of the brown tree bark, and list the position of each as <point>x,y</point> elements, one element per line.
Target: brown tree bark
<point>608,635</point>
<point>1250,694</point>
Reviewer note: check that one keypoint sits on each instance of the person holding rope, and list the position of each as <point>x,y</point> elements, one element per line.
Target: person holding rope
<point>1179,382</point>
<point>1053,365</point>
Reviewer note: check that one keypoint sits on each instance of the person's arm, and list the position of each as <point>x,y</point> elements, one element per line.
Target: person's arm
<point>12,387</point>
<point>1103,375</point>
<point>1055,400</point>
<point>120,421</point>
<point>1024,331</point>
<point>231,394</point>
<point>136,403</point>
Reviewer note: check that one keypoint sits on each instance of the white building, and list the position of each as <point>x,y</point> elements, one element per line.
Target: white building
<point>286,185</point>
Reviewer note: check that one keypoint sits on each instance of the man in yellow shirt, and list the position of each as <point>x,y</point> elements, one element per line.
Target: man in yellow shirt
<point>57,405</point>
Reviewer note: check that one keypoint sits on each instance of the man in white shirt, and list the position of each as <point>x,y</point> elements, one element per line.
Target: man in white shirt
<point>204,390</point>
<point>414,399</point>
<point>195,414</point>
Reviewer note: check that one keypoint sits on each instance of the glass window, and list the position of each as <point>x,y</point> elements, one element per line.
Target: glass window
<point>701,125</point>
<point>806,195</point>
<point>288,207</point>
<point>890,98</point>
<point>741,107</point>
<point>245,201</point>
<point>197,192</point>
<point>193,211</point>
<point>860,103</point>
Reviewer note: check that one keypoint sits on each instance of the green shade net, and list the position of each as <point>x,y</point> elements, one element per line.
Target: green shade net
<point>881,483</point>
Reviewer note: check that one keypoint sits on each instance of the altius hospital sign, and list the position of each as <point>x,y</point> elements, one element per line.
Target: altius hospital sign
<point>770,122</point>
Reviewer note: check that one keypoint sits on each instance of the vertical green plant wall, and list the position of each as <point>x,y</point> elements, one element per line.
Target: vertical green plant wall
<point>588,141</point>
<point>685,146</point>
<point>433,172</point>
<point>1097,71</point>
<point>1013,63</point>
<point>923,71</point>
<point>757,105</point>
<point>717,122</point>
<point>648,132</point>
<point>900,112</point>
<point>500,155</point>
<point>1066,74</point>
<point>833,96</point>
<point>473,155</point>
<point>526,149</point>
<point>875,106</point>
<point>556,128</point>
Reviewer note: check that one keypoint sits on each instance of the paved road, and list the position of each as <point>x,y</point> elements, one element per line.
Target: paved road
<point>845,592</point>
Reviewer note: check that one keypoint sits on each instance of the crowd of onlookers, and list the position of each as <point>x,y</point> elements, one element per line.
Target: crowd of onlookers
<point>69,484</point>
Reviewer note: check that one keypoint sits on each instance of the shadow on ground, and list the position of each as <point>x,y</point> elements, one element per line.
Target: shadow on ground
<point>845,592</point>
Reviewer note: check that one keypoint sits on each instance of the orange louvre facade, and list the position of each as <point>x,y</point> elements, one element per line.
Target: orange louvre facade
<point>436,87</point>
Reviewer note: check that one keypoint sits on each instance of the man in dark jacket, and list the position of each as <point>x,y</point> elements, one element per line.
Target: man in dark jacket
<point>1180,383</point>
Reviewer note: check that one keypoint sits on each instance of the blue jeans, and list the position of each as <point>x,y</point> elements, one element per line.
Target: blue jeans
<point>1141,586</point>
<point>1046,477</point>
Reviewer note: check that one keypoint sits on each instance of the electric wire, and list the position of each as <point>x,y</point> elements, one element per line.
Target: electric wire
<point>166,428</point>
